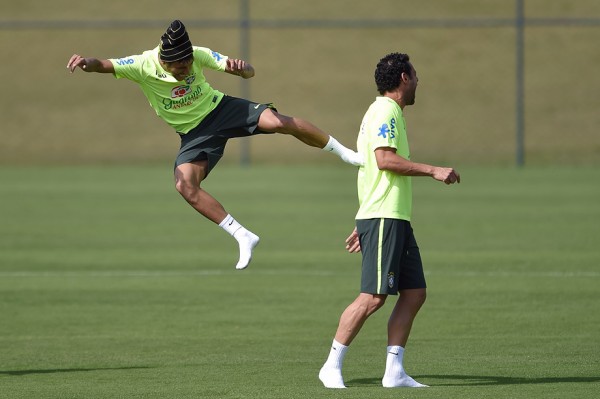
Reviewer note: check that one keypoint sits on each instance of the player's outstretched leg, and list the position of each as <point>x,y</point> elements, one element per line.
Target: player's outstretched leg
<point>309,134</point>
<point>347,155</point>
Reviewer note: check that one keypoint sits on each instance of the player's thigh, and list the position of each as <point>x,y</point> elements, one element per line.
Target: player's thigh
<point>191,173</point>
<point>271,121</point>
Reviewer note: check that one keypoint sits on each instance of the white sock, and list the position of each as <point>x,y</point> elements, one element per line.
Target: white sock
<point>347,155</point>
<point>246,240</point>
<point>395,376</point>
<point>331,372</point>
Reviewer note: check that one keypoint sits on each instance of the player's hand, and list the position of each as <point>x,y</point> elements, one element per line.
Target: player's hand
<point>240,68</point>
<point>352,242</point>
<point>447,175</point>
<point>76,61</point>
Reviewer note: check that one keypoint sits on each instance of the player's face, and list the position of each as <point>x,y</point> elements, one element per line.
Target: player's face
<point>411,87</point>
<point>179,69</point>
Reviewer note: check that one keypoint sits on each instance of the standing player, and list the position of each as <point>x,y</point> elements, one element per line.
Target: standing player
<point>391,263</point>
<point>171,77</point>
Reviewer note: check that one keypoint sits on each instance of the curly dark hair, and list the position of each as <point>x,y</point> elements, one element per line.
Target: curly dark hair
<point>390,69</point>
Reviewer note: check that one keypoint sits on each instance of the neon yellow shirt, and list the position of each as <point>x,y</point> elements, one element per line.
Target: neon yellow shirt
<point>383,194</point>
<point>182,104</point>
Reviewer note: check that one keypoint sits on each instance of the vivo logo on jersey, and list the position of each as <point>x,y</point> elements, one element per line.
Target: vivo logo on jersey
<point>180,91</point>
<point>125,61</point>
<point>384,130</point>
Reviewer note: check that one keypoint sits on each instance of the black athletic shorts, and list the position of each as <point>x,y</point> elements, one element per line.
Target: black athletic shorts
<point>233,117</point>
<point>391,260</point>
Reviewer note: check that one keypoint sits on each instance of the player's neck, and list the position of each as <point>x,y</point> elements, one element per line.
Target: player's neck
<point>396,95</point>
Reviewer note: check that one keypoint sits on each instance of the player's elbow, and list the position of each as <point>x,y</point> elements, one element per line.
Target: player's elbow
<point>383,163</point>
<point>385,158</point>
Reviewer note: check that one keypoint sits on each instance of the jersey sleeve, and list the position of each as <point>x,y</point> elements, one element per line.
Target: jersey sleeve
<point>130,67</point>
<point>384,129</point>
<point>210,59</point>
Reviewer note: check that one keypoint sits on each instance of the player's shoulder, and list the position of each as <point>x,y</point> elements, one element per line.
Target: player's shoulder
<point>134,61</point>
<point>384,107</point>
<point>207,55</point>
<point>386,103</point>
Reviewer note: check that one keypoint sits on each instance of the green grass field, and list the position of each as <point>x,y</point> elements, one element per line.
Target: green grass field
<point>111,286</point>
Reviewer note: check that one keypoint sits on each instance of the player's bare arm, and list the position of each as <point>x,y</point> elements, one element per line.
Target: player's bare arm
<point>90,64</point>
<point>239,68</point>
<point>387,159</point>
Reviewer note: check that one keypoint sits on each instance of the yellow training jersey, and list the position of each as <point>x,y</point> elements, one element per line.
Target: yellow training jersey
<point>383,194</point>
<point>182,104</point>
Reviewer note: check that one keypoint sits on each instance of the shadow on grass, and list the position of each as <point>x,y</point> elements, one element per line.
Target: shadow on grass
<point>74,370</point>
<point>474,380</point>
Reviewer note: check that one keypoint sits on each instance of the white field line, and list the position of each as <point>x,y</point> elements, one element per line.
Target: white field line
<point>276,272</point>
<point>155,273</point>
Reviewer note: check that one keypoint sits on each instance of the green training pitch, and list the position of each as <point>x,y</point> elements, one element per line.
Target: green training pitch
<point>112,287</point>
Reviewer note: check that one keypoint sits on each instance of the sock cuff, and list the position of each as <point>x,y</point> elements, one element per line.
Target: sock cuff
<point>336,355</point>
<point>395,349</point>
<point>230,225</point>
<point>226,220</point>
<point>338,345</point>
<point>331,145</point>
